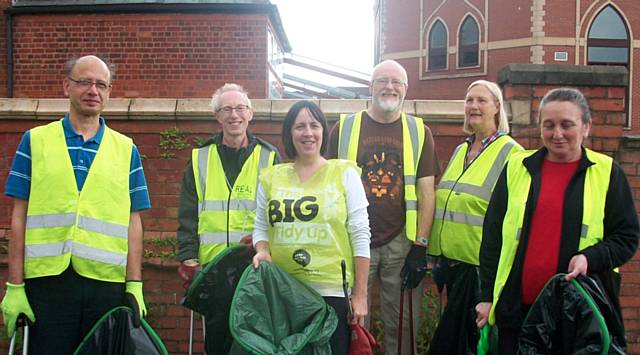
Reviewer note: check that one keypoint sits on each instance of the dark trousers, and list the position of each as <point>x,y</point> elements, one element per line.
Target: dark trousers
<point>508,337</point>
<point>66,307</point>
<point>341,338</point>
<point>508,341</point>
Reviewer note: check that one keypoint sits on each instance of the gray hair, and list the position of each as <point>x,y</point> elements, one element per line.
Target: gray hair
<point>71,63</point>
<point>567,95</point>
<point>215,104</point>
<point>501,119</point>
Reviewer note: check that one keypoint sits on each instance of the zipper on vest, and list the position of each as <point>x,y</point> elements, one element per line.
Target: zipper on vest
<point>230,189</point>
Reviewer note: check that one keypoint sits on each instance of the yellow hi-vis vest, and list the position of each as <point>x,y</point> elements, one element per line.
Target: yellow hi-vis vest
<point>412,142</point>
<point>596,185</point>
<point>308,224</point>
<point>89,229</point>
<point>225,217</point>
<point>462,198</point>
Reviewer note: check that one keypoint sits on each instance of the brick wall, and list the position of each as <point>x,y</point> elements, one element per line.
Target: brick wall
<point>509,41</point>
<point>3,48</point>
<point>163,289</point>
<point>162,286</point>
<point>158,55</point>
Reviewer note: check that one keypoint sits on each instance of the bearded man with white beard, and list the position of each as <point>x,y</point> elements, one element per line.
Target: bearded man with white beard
<point>399,165</point>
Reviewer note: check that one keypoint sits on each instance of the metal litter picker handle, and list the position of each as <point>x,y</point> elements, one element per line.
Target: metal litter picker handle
<point>345,288</point>
<point>25,337</point>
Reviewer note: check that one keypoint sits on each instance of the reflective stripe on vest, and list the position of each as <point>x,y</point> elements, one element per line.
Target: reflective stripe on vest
<point>412,137</point>
<point>596,185</point>
<point>87,223</point>
<point>462,198</point>
<point>496,162</point>
<point>87,229</point>
<point>83,251</point>
<point>223,206</point>
<point>216,206</point>
<point>221,237</point>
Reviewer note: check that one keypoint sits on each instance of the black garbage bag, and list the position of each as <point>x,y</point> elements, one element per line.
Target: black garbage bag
<point>569,318</point>
<point>115,334</point>
<point>211,293</point>
<point>457,333</point>
<point>273,313</point>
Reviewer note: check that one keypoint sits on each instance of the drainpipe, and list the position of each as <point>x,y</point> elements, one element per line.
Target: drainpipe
<point>9,35</point>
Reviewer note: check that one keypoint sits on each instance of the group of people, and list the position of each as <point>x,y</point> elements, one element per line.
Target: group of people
<point>499,223</point>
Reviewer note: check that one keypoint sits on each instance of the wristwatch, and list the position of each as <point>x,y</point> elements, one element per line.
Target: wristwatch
<point>422,241</point>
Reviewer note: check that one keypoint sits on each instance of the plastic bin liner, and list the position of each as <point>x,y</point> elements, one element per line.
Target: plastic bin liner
<point>273,313</point>
<point>573,317</point>
<point>211,293</point>
<point>114,334</point>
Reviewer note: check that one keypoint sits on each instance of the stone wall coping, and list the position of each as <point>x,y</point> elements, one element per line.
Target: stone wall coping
<point>563,74</point>
<point>199,109</point>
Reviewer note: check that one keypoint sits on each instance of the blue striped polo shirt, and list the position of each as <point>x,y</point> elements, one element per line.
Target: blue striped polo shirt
<point>82,154</point>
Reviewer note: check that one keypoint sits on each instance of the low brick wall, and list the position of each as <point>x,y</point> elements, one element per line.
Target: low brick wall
<point>147,121</point>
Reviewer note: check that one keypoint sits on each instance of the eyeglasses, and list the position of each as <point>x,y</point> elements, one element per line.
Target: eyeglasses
<point>86,84</point>
<point>240,109</point>
<point>384,81</point>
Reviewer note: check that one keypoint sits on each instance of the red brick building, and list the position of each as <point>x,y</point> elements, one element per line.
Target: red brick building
<point>161,48</point>
<point>447,44</point>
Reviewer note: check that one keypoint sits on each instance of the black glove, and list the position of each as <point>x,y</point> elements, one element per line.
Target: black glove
<point>130,301</point>
<point>415,266</point>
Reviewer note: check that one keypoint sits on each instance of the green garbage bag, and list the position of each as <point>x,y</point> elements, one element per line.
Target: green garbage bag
<point>488,341</point>
<point>273,313</point>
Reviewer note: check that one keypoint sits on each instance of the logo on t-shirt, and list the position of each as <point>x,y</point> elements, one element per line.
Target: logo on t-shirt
<point>288,210</point>
<point>301,257</point>
<point>382,175</point>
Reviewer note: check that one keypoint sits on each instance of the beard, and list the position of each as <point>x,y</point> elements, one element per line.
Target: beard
<point>388,105</point>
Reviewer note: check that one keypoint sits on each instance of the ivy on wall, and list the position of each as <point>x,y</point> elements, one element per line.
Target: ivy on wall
<point>172,140</point>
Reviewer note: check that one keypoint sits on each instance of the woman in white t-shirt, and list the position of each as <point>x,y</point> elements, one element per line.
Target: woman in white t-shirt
<point>312,214</point>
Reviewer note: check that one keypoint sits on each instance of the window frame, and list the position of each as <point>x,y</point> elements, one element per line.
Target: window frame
<point>430,49</point>
<point>468,48</point>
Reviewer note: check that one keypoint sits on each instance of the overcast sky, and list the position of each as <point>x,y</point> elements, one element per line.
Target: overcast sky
<point>335,31</point>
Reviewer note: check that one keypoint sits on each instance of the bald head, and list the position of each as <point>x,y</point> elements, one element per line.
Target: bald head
<point>390,65</point>
<point>90,60</point>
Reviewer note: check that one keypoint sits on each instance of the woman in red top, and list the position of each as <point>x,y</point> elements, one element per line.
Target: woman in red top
<point>551,236</point>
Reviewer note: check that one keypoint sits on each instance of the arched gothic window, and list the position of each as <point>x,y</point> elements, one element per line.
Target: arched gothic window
<point>468,43</point>
<point>437,52</point>
<point>608,39</point>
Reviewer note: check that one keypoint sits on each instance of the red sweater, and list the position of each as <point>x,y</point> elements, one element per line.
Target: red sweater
<point>543,248</point>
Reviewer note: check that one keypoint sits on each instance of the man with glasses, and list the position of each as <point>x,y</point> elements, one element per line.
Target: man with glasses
<point>398,161</point>
<point>217,201</point>
<point>75,250</point>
